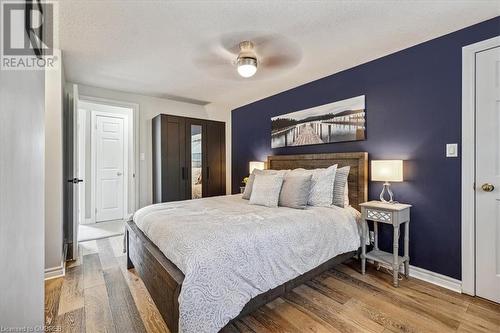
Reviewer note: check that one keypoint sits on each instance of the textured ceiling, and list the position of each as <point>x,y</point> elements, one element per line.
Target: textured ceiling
<point>152,47</point>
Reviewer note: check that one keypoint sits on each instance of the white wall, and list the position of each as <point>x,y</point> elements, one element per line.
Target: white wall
<point>223,113</point>
<point>149,107</point>
<point>22,198</point>
<point>54,85</point>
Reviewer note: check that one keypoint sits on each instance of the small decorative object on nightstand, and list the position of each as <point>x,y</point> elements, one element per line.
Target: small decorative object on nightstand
<point>389,213</point>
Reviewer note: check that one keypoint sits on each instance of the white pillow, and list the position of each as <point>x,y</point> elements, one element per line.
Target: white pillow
<point>248,187</point>
<point>266,189</point>
<point>321,192</point>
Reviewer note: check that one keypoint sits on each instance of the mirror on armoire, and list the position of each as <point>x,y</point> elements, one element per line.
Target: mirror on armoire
<point>196,161</point>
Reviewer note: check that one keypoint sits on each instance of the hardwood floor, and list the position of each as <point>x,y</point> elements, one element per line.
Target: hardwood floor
<point>98,294</point>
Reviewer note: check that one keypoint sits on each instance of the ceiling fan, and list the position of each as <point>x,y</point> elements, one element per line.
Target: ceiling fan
<point>247,60</point>
<point>247,53</point>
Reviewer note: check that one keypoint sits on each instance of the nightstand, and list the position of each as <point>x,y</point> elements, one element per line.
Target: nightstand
<point>396,214</point>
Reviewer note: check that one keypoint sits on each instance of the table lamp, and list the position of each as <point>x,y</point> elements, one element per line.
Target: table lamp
<point>387,171</point>
<point>255,165</point>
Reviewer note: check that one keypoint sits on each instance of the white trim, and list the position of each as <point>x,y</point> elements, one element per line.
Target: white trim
<point>54,272</point>
<point>468,161</point>
<point>135,170</point>
<point>93,122</point>
<point>436,278</point>
<point>428,276</point>
<point>81,137</point>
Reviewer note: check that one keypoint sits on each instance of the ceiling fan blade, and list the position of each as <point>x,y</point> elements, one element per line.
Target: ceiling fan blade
<point>211,61</point>
<point>280,61</point>
<point>214,56</point>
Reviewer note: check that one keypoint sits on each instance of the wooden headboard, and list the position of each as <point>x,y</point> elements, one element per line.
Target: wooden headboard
<point>358,175</point>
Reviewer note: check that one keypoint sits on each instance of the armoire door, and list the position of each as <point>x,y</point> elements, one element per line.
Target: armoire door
<point>169,159</point>
<point>175,155</point>
<point>215,159</point>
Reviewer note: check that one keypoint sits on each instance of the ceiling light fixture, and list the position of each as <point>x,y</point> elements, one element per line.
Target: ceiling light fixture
<point>247,66</point>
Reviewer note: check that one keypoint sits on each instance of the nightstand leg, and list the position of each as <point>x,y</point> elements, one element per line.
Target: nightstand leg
<point>395,251</point>
<point>375,235</point>
<point>407,249</point>
<point>364,230</point>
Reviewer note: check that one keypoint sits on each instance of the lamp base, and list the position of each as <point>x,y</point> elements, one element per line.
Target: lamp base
<point>387,187</point>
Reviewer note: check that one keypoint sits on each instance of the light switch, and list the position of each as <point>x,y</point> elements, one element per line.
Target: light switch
<point>143,156</point>
<point>452,150</point>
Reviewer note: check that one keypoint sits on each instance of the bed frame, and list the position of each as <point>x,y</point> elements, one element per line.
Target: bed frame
<point>164,280</point>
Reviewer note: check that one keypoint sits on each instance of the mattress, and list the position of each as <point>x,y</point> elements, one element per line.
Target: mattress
<point>230,251</point>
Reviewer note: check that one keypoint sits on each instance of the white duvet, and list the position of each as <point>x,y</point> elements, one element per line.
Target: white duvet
<point>230,251</point>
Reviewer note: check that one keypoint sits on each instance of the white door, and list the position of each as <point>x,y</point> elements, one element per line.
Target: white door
<point>488,174</point>
<point>110,163</point>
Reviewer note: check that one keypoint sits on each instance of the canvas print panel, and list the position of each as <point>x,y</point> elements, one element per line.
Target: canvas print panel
<point>334,122</point>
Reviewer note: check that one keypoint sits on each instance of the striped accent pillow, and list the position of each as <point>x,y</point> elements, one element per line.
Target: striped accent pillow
<point>339,187</point>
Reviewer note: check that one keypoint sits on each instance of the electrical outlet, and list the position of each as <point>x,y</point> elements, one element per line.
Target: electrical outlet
<point>372,237</point>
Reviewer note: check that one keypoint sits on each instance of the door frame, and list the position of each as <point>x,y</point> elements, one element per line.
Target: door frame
<point>468,161</point>
<point>81,136</point>
<point>134,169</point>
<point>93,122</point>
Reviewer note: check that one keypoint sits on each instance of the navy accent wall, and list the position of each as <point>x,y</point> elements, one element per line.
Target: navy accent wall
<point>413,108</point>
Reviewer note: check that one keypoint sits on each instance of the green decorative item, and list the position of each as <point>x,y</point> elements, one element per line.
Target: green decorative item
<point>245,181</point>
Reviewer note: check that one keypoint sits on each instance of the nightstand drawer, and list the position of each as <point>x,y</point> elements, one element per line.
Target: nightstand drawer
<point>378,215</point>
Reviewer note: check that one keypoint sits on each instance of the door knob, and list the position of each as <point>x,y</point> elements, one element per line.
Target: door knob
<point>487,187</point>
<point>119,174</point>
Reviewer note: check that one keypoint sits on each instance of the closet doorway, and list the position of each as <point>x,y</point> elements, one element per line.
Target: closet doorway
<point>106,164</point>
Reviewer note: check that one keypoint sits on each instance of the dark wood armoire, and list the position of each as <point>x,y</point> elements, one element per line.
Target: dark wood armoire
<point>189,158</point>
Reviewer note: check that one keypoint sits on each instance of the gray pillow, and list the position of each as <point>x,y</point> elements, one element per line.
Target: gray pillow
<point>248,187</point>
<point>321,192</point>
<point>266,189</point>
<point>339,187</point>
<point>295,191</point>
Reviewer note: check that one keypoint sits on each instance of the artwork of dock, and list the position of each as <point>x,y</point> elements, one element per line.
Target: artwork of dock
<point>335,122</point>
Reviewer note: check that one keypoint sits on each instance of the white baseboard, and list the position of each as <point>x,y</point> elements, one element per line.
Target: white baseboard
<point>431,277</point>
<point>436,278</point>
<point>87,221</point>
<point>54,272</point>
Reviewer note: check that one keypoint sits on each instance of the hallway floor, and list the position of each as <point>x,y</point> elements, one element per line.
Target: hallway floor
<point>100,230</point>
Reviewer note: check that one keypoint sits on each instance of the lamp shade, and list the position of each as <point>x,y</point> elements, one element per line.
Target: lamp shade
<point>387,170</point>
<point>255,165</point>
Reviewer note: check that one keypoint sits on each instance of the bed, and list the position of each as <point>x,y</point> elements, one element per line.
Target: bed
<point>223,245</point>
